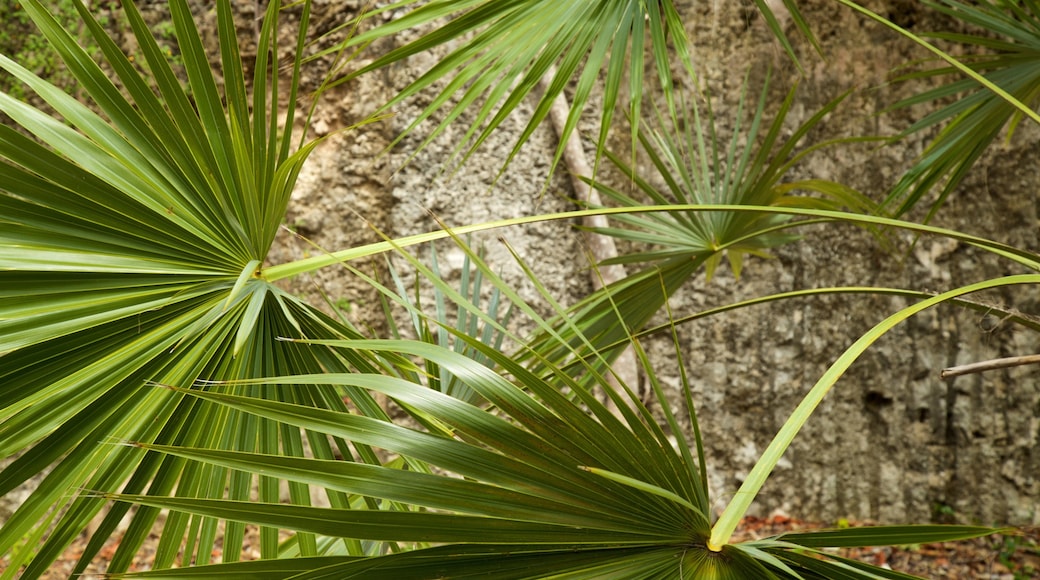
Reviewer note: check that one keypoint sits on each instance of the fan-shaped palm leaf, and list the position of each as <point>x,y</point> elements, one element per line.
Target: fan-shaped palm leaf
<point>507,47</point>
<point>696,166</point>
<point>540,489</point>
<point>132,248</point>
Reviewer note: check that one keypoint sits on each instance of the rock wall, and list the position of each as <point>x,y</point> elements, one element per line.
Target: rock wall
<point>892,442</point>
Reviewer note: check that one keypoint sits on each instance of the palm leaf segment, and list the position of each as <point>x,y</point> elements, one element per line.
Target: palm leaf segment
<point>132,242</point>
<point>977,118</point>
<point>508,47</point>
<point>538,472</point>
<point>693,165</point>
<point>511,45</point>
<point>538,489</point>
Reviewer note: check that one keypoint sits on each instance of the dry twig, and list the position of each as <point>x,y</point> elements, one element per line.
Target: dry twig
<point>989,365</point>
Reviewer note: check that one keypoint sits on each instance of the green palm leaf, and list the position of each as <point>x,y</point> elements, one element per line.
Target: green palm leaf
<point>533,473</point>
<point>480,561</point>
<point>884,535</point>
<point>132,250</point>
<point>507,47</point>
<point>697,167</point>
<point>484,322</point>
<point>974,120</point>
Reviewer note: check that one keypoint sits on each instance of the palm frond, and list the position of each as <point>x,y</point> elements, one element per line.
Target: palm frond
<point>505,48</point>
<point>132,250</point>
<point>1010,40</point>
<point>531,474</point>
<point>470,318</point>
<point>696,167</point>
<point>514,492</point>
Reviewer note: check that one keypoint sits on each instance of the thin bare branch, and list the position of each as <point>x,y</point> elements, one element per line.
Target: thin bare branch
<point>989,365</point>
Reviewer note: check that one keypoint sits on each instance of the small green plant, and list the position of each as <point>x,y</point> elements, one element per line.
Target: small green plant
<point>943,512</point>
<point>19,40</point>
<point>344,305</point>
<point>1013,554</point>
